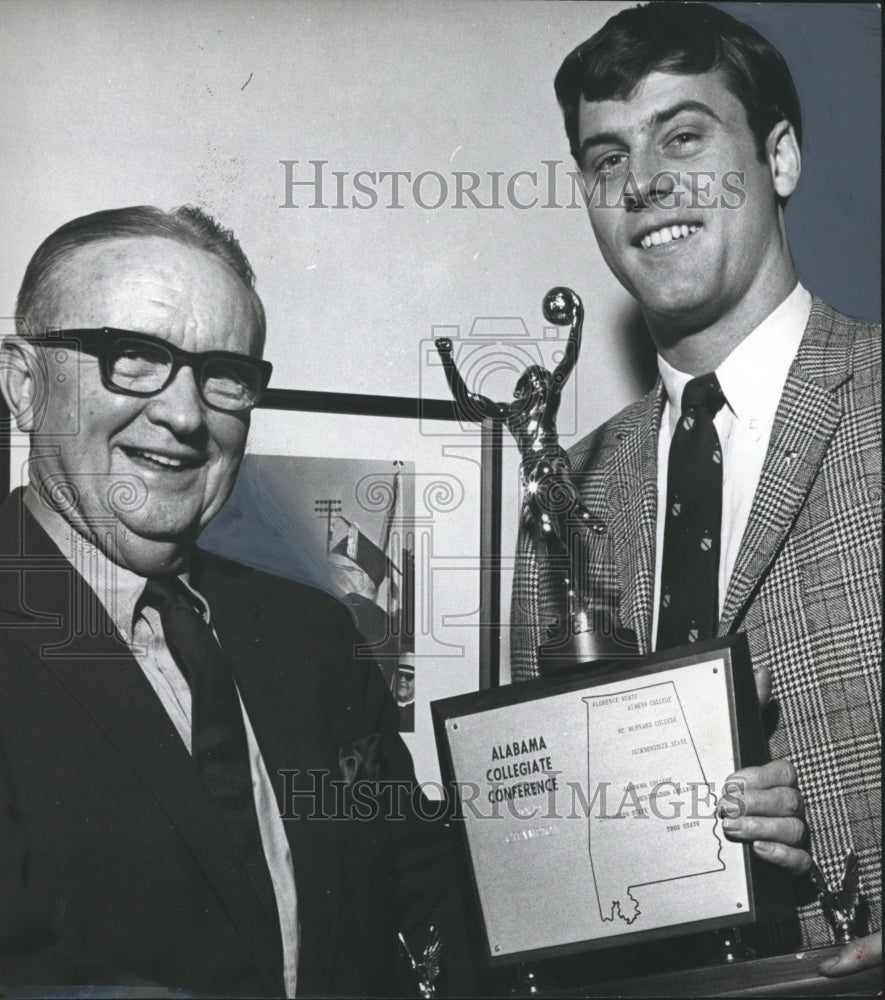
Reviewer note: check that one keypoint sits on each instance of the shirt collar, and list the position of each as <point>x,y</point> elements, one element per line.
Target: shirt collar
<point>752,377</point>
<point>118,588</point>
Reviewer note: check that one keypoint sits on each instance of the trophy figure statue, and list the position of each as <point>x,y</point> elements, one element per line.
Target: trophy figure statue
<point>840,904</point>
<point>554,508</point>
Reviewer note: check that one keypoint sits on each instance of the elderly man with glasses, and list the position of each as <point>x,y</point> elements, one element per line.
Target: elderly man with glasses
<point>182,739</point>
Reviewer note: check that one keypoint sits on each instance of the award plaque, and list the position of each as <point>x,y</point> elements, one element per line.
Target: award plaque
<point>590,807</point>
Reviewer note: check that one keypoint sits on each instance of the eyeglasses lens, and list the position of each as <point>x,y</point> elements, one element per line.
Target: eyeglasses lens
<point>144,368</point>
<point>229,384</point>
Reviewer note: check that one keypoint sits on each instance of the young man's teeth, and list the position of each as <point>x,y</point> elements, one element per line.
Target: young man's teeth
<point>667,234</point>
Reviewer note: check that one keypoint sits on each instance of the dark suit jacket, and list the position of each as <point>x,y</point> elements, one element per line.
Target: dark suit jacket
<point>114,861</point>
<point>806,586</point>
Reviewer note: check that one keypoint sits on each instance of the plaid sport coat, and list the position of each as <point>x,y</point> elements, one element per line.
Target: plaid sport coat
<point>806,586</point>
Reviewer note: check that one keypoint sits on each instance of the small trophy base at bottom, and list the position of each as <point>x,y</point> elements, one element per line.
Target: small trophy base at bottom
<point>591,640</point>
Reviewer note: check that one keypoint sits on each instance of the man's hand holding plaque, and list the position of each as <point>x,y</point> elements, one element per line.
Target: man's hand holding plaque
<point>763,806</point>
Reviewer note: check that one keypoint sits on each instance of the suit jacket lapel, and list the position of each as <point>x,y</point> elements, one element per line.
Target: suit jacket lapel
<point>632,491</point>
<point>100,673</point>
<point>806,420</point>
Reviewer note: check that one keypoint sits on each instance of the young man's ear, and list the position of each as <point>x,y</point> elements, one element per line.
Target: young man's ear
<point>784,158</point>
<point>20,381</point>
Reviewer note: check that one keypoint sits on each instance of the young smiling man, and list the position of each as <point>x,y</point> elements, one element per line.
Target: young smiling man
<point>686,127</point>
<point>705,265</point>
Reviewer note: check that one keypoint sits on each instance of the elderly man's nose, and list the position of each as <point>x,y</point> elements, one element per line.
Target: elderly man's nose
<point>179,405</point>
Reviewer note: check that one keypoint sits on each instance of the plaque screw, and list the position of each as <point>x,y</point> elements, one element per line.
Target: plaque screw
<point>740,906</point>
<point>497,947</point>
<point>454,725</point>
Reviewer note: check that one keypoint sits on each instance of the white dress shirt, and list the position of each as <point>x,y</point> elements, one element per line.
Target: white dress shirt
<point>752,379</point>
<point>119,590</point>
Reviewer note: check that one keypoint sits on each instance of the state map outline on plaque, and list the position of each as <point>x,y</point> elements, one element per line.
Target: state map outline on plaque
<point>624,857</point>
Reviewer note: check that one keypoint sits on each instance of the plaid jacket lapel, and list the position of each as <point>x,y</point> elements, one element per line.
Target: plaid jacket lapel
<point>631,488</point>
<point>806,419</point>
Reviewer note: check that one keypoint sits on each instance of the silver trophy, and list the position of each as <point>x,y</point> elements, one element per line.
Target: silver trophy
<point>554,508</point>
<point>840,905</point>
<point>426,969</point>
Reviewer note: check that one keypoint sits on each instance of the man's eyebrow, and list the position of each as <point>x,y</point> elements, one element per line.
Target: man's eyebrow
<point>659,118</point>
<point>669,113</point>
<point>599,139</point>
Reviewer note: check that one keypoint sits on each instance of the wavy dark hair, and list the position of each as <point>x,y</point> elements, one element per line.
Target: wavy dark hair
<point>679,38</point>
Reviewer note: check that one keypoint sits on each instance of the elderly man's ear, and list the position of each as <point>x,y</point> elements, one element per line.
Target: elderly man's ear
<point>22,381</point>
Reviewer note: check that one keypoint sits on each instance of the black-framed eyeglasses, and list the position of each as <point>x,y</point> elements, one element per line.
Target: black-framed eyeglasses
<point>139,364</point>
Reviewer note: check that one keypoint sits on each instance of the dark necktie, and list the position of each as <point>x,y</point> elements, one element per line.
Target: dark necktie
<point>218,734</point>
<point>689,608</point>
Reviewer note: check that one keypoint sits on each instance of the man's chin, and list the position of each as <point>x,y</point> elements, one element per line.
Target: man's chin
<point>153,549</point>
<point>685,311</point>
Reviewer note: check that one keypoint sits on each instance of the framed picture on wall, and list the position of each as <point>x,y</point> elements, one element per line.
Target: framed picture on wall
<point>385,503</point>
